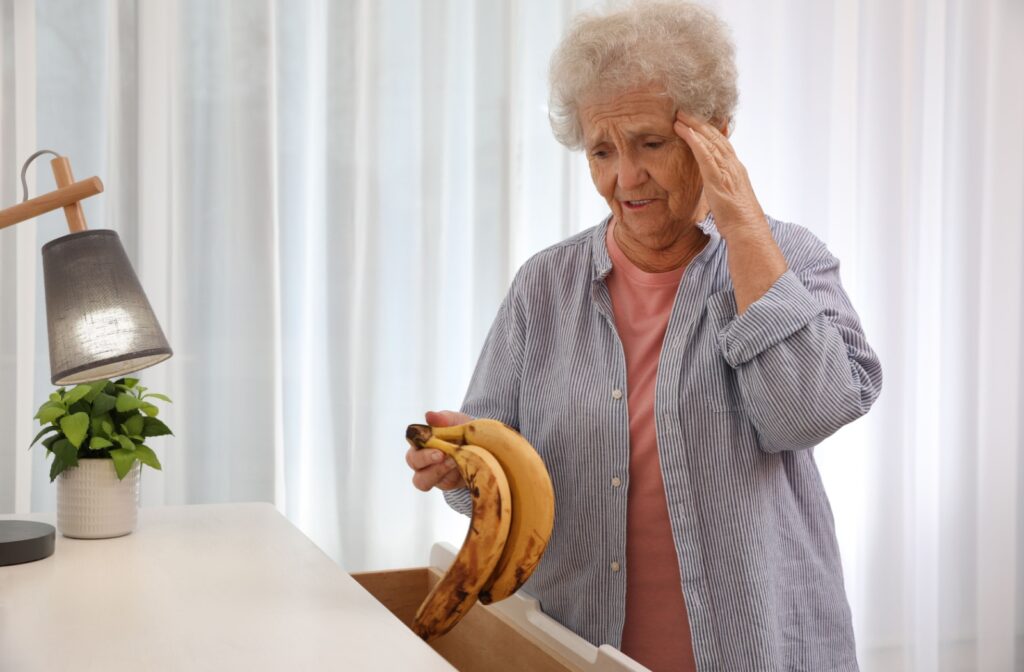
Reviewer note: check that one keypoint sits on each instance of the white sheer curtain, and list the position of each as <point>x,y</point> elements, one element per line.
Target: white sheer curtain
<point>326,200</point>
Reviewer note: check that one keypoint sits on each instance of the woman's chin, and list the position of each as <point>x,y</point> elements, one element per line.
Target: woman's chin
<point>652,233</point>
<point>645,223</point>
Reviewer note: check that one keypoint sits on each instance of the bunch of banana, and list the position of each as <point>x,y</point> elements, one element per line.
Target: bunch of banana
<point>513,514</point>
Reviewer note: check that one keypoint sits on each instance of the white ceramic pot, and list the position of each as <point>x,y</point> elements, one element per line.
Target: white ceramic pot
<point>93,504</point>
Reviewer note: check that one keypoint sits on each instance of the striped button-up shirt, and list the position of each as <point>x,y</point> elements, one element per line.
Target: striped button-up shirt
<point>740,403</point>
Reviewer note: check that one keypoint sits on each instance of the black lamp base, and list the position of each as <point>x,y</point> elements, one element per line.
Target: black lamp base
<point>25,541</point>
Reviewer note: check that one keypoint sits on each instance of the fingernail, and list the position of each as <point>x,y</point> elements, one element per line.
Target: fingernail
<point>437,456</point>
<point>449,463</point>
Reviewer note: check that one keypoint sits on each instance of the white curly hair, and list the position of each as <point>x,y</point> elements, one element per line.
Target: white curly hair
<point>679,46</point>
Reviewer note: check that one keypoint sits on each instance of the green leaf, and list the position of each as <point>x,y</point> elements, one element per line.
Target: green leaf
<point>77,393</point>
<point>65,452</point>
<point>53,404</point>
<point>100,426</point>
<point>126,443</point>
<point>54,397</point>
<point>161,397</point>
<point>154,427</point>
<point>52,428</point>
<point>130,382</point>
<point>123,460</point>
<point>75,427</point>
<point>49,441</point>
<point>79,407</point>
<point>147,456</point>
<point>96,389</point>
<point>55,468</point>
<point>134,425</point>
<point>128,402</point>
<point>150,410</point>
<point>99,443</point>
<point>103,403</point>
<point>49,413</point>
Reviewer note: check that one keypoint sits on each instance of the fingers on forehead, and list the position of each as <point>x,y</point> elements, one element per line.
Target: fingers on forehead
<point>703,129</point>
<point>716,139</point>
<point>705,132</point>
<point>702,147</point>
<point>715,145</point>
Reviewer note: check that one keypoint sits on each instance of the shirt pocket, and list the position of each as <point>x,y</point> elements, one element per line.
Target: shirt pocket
<point>719,387</point>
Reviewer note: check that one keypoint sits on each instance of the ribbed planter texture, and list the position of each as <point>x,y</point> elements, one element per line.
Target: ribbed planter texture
<point>93,504</point>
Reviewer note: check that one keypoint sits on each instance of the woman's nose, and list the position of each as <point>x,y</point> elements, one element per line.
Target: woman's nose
<point>631,172</point>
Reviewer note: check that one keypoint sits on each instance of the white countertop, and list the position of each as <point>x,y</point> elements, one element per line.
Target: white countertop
<point>206,587</point>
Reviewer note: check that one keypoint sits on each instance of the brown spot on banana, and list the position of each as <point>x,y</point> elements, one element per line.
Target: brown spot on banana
<point>532,496</point>
<point>533,505</point>
<point>457,590</point>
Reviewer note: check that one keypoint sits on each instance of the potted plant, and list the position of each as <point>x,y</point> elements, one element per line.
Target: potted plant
<point>97,433</point>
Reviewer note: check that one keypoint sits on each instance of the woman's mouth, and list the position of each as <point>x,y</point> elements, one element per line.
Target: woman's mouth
<point>636,205</point>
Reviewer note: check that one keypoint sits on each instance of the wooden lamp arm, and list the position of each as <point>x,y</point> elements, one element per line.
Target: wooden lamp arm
<point>68,196</point>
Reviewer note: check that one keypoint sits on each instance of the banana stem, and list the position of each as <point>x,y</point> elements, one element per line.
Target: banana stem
<point>422,436</point>
<point>455,434</point>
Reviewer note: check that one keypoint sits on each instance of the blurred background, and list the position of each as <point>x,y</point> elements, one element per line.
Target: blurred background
<point>326,200</point>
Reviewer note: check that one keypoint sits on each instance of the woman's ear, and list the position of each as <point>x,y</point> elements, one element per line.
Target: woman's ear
<point>725,128</point>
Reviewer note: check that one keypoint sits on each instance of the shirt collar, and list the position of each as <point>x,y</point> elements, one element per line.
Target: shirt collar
<point>603,262</point>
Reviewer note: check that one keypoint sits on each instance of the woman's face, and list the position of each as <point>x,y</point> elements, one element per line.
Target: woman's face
<point>643,169</point>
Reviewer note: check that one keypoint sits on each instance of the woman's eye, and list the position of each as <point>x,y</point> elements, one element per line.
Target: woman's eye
<point>599,153</point>
<point>654,144</point>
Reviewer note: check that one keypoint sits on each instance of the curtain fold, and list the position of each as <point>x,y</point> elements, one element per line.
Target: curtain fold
<point>18,268</point>
<point>325,202</point>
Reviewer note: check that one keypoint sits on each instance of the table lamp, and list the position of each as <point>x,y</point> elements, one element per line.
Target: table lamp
<point>98,319</point>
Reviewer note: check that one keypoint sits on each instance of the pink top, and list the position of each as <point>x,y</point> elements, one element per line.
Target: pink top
<point>657,632</point>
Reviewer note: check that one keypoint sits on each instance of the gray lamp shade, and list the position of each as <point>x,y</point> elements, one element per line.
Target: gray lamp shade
<point>99,320</point>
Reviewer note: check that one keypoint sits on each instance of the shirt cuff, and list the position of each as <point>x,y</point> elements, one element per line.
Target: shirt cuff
<point>460,500</point>
<point>786,308</point>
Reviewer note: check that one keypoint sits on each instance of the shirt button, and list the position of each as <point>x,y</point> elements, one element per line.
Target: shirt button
<point>616,566</point>
<point>616,394</point>
<point>616,481</point>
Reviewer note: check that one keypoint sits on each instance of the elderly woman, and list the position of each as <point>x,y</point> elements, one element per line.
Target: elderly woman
<point>675,367</point>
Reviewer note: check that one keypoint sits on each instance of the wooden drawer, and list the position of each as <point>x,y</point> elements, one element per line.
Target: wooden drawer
<point>513,635</point>
<point>482,640</point>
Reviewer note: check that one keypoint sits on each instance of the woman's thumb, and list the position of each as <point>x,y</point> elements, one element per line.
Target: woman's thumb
<point>446,418</point>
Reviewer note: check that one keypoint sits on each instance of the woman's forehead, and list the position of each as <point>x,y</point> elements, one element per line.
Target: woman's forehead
<point>630,113</point>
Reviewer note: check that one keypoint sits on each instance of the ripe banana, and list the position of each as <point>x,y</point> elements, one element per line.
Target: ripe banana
<point>457,590</point>
<point>533,501</point>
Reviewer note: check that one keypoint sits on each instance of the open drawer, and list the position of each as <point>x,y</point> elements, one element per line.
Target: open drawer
<point>513,635</point>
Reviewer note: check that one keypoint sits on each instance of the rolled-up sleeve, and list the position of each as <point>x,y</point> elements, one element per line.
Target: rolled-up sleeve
<point>804,367</point>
